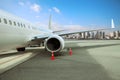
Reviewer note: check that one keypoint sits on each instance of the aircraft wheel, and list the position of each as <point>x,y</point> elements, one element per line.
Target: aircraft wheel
<point>21,49</point>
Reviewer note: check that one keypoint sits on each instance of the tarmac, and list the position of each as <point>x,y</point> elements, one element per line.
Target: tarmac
<point>90,60</point>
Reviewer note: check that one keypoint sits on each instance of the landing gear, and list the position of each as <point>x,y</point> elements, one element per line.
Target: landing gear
<point>21,49</point>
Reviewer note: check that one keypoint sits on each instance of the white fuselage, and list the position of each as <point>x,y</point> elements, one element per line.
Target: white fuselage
<point>16,32</point>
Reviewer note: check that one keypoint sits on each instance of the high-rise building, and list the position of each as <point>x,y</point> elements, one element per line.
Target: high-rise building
<point>103,35</point>
<point>93,35</point>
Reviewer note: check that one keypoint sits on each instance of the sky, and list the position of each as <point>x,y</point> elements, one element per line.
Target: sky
<point>72,14</point>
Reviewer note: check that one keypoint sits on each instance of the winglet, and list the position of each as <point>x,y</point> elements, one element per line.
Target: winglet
<point>50,27</point>
<point>112,24</point>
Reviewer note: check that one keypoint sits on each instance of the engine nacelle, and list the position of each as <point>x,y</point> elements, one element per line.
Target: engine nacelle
<point>54,43</point>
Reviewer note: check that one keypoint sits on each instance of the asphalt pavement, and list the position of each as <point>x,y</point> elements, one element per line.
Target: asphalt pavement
<point>90,60</point>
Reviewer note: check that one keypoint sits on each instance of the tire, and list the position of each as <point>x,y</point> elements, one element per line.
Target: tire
<point>21,49</point>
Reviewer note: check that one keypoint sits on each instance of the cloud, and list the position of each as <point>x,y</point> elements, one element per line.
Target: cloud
<point>56,9</point>
<point>21,3</point>
<point>75,27</point>
<point>37,16</point>
<point>71,27</point>
<point>49,10</point>
<point>57,26</point>
<point>35,7</point>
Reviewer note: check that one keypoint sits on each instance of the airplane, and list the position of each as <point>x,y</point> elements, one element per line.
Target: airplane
<point>17,33</point>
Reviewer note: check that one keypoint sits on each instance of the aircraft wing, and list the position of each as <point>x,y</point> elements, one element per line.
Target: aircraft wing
<point>61,33</point>
<point>53,41</point>
<point>66,32</point>
<point>39,38</point>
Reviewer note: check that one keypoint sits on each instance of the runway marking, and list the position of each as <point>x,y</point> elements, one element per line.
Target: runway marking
<point>12,59</point>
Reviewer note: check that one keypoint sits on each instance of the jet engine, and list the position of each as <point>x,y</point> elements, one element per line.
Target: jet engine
<point>54,43</point>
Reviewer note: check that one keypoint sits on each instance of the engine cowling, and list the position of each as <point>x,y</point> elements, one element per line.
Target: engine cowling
<point>54,43</point>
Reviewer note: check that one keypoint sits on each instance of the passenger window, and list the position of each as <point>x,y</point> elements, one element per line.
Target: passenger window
<point>24,25</point>
<point>33,27</point>
<point>18,24</point>
<point>5,21</point>
<point>14,23</point>
<point>29,26</point>
<point>10,22</point>
<point>0,19</point>
<point>21,25</point>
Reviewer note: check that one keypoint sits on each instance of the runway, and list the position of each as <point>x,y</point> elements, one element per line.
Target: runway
<point>91,60</point>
